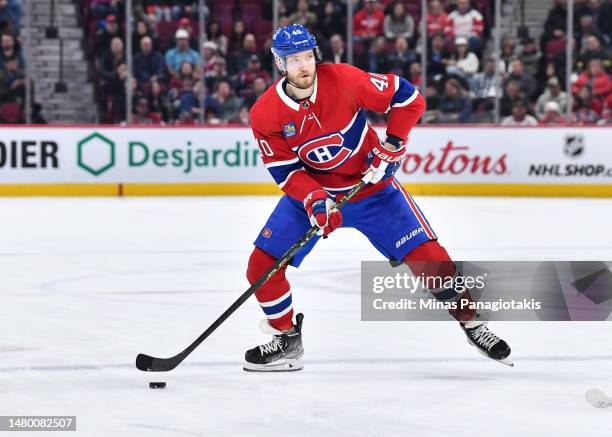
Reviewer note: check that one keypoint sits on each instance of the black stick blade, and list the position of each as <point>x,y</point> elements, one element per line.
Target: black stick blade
<point>144,362</point>
<point>147,363</point>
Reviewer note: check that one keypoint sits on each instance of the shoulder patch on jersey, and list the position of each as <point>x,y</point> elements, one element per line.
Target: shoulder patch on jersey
<point>289,130</point>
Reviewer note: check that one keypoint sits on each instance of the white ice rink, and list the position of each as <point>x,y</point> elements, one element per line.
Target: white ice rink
<point>86,284</point>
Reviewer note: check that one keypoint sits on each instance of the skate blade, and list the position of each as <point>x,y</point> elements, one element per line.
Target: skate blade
<point>505,361</point>
<point>290,365</point>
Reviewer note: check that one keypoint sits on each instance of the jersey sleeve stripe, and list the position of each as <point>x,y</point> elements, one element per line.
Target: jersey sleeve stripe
<point>405,94</point>
<point>408,101</point>
<point>282,183</point>
<point>279,163</point>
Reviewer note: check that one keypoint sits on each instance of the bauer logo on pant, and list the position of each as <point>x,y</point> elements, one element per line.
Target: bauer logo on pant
<point>266,233</point>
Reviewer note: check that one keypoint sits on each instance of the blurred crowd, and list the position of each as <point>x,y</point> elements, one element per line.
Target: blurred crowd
<point>12,65</point>
<point>237,65</point>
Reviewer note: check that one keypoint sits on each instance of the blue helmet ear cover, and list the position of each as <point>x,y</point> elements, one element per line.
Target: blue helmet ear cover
<point>292,39</point>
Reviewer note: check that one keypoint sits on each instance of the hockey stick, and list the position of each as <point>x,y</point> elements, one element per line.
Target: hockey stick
<point>148,363</point>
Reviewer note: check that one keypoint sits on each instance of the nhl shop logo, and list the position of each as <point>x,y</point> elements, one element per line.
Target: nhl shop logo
<point>574,145</point>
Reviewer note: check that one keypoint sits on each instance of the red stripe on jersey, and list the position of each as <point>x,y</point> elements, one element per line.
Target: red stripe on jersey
<point>415,210</point>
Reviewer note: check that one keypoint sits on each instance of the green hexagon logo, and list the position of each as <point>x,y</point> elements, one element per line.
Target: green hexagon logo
<point>96,154</point>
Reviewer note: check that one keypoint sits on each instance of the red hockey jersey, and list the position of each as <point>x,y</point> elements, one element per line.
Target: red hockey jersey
<point>322,142</point>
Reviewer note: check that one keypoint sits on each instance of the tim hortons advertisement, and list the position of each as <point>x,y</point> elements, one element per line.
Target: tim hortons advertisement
<point>435,155</point>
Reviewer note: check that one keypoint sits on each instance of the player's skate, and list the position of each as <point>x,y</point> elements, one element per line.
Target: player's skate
<point>282,354</point>
<point>487,343</point>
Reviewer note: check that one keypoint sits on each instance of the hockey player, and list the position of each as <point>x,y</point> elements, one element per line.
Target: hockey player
<point>315,141</point>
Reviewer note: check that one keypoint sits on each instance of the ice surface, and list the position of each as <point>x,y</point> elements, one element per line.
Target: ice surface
<point>86,284</point>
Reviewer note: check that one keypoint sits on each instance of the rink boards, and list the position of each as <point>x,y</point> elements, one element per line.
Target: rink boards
<point>441,160</point>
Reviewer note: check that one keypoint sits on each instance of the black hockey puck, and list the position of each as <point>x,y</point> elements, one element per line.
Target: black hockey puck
<point>157,385</point>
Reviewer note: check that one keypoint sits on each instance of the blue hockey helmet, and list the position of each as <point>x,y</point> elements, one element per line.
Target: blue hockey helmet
<point>293,39</point>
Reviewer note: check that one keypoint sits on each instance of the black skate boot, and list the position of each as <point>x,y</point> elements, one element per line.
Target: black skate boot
<point>486,342</point>
<point>282,354</point>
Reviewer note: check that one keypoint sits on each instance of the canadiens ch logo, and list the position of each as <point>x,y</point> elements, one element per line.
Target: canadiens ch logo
<point>266,233</point>
<point>289,130</point>
<point>324,153</point>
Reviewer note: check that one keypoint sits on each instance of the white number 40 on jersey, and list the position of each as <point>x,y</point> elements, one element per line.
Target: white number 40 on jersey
<point>380,81</point>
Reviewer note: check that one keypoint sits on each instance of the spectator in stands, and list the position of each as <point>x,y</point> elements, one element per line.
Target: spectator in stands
<point>189,107</point>
<point>555,21</point>
<point>398,23</point>
<point>117,95</point>
<point>336,53</point>
<point>241,56</point>
<point>586,107</point>
<point>555,44</point>
<point>149,63</point>
<point>188,9</point>
<point>112,59</point>
<point>9,19</point>
<point>303,16</point>
<point>247,77</point>
<point>597,79</point>
<point>209,52</point>
<point>454,106</point>
<point>237,36</point>
<point>437,57</point>
<point>265,54</point>
<point>368,22</point>
<point>143,114</point>
<point>437,19</point>
<point>518,74</point>
<point>467,22</point>
<point>14,78</point>
<point>242,117</point>
<point>10,51</point>
<point>592,49</point>
<point>508,53</point>
<point>415,74</point>
<point>552,93</point>
<point>185,24</point>
<point>559,61</point>
<point>104,36</point>
<point>519,116</point>
<point>142,30</point>
<point>606,118</point>
<point>102,8</point>
<point>484,86</point>
<point>401,58</point>
<point>602,11</point>
<point>259,87</point>
<point>158,100</point>
<point>215,34</point>
<point>182,84</point>
<point>330,20</point>
<point>4,86</point>
<point>462,62</point>
<point>228,104</point>
<point>552,114</point>
<point>586,28</point>
<point>530,56</point>
<point>376,60</point>
<point>218,73</point>
<point>180,54</point>
<point>512,93</point>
